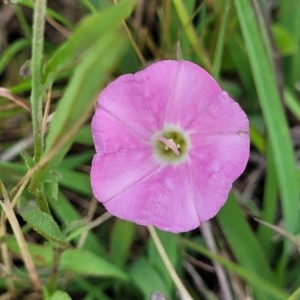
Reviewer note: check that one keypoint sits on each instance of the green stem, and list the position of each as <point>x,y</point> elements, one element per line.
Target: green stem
<point>36,186</point>
<point>36,64</point>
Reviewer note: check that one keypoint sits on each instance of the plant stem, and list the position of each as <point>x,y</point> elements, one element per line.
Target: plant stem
<point>37,99</point>
<point>181,288</point>
<point>36,89</point>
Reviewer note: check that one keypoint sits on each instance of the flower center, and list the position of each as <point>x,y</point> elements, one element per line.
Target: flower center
<point>171,145</point>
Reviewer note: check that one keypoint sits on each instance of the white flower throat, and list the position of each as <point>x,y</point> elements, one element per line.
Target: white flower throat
<point>170,145</point>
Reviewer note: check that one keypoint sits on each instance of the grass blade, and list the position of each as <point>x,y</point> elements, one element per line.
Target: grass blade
<point>273,114</point>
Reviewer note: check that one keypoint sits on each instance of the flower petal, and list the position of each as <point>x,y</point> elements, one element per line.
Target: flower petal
<point>224,155</point>
<point>210,190</point>
<point>194,89</point>
<point>222,115</point>
<point>124,100</point>
<point>139,101</point>
<point>112,173</point>
<point>164,199</point>
<point>110,135</point>
<point>221,142</point>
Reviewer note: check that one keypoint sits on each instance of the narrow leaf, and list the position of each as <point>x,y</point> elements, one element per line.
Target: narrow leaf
<point>273,113</point>
<point>42,222</point>
<point>84,262</point>
<point>87,34</point>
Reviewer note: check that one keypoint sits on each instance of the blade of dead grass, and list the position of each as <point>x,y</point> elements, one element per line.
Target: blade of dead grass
<point>243,243</point>
<point>29,264</point>
<point>181,288</point>
<point>254,280</point>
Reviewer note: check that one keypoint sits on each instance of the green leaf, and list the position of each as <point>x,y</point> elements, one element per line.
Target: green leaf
<point>289,19</point>
<point>273,113</point>
<point>121,238</point>
<point>292,103</point>
<point>237,53</point>
<point>52,13</point>
<point>75,181</point>
<point>51,190</point>
<point>170,244</point>
<point>42,222</point>
<point>89,77</point>
<point>283,40</point>
<point>67,214</point>
<point>184,17</point>
<point>270,204</point>
<point>95,292</point>
<point>11,52</point>
<point>147,278</point>
<point>76,160</point>
<point>60,295</point>
<point>220,42</point>
<point>83,262</point>
<point>87,34</point>
<point>41,255</point>
<point>29,162</point>
<point>84,136</point>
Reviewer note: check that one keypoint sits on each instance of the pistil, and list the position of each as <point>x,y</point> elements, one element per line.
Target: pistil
<point>170,144</point>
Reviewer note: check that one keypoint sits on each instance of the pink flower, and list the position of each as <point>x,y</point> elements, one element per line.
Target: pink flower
<point>169,145</point>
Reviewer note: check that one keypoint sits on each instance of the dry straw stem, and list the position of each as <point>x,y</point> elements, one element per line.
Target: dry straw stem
<point>5,254</point>
<point>209,240</point>
<point>84,229</point>
<point>198,281</point>
<point>6,296</point>
<point>181,288</point>
<point>6,205</point>
<point>295,240</point>
<point>64,31</point>
<point>10,96</point>
<point>89,217</point>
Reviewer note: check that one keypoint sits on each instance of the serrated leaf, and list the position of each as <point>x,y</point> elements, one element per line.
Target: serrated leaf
<point>42,222</point>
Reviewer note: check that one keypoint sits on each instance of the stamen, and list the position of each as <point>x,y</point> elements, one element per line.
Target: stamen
<point>170,144</point>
